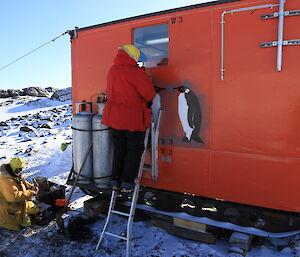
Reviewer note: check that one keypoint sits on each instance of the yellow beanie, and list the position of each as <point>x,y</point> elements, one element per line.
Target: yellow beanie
<point>16,163</point>
<point>132,51</point>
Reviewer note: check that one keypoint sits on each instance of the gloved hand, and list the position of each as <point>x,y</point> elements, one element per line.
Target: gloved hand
<point>149,104</point>
<point>35,190</point>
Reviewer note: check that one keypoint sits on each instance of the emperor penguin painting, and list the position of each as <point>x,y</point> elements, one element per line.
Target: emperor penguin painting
<point>189,111</point>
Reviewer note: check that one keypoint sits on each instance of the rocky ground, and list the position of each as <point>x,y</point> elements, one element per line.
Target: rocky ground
<point>53,93</point>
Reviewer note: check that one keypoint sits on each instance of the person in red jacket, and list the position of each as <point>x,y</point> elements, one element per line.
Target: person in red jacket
<point>126,112</point>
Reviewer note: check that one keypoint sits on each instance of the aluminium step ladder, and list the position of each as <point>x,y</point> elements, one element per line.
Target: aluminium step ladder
<point>130,216</point>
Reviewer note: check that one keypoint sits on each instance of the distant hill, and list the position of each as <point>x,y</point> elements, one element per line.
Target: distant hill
<point>51,92</point>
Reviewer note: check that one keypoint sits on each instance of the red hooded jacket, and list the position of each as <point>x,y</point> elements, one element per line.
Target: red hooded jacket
<point>128,91</point>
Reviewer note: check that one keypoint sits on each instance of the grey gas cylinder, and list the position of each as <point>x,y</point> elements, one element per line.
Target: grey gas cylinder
<point>102,151</point>
<point>82,138</point>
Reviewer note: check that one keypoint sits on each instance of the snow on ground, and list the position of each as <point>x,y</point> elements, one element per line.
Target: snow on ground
<point>50,125</point>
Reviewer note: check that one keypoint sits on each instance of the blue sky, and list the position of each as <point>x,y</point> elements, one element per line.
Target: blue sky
<point>28,24</point>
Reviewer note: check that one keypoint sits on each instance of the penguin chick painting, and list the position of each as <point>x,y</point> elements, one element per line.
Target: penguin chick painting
<point>189,111</point>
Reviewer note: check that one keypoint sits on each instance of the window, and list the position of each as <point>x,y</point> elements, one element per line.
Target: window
<point>153,41</point>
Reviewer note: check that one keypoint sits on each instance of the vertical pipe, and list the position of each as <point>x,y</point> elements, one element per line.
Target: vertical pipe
<point>280,32</point>
<point>280,35</point>
<point>222,45</point>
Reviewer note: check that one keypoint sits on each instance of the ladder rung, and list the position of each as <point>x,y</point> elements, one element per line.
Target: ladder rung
<point>120,213</point>
<point>112,234</point>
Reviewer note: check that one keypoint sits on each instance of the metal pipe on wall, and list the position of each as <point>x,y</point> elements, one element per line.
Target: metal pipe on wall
<point>222,69</point>
<point>280,34</point>
<point>222,44</point>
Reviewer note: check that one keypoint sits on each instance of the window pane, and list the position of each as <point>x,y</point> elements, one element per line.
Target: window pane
<point>153,42</point>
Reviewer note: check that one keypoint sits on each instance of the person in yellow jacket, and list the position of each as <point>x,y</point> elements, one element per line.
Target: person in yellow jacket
<point>15,196</point>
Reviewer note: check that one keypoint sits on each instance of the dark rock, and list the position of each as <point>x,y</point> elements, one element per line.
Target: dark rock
<point>63,94</point>
<point>51,89</point>
<point>28,150</point>
<point>31,91</point>
<point>7,102</point>
<point>3,93</point>
<point>3,124</point>
<point>26,129</point>
<point>46,126</point>
<point>42,92</point>
<point>14,93</point>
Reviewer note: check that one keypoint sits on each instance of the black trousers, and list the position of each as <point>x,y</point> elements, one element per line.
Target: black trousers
<point>128,149</point>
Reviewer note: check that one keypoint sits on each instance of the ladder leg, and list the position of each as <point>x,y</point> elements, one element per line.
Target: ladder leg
<point>131,218</point>
<point>111,206</point>
<point>142,161</point>
<point>136,194</point>
<point>128,247</point>
<point>153,161</point>
<point>129,229</point>
<point>154,137</point>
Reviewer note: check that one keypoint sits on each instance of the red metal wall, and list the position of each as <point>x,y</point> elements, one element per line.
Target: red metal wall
<point>250,121</point>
